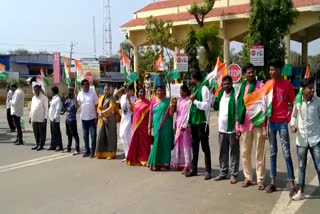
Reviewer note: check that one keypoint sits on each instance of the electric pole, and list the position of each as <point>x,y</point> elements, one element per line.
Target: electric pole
<point>107,34</point>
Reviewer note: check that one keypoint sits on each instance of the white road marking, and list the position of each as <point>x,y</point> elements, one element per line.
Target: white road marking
<point>33,162</point>
<point>285,205</point>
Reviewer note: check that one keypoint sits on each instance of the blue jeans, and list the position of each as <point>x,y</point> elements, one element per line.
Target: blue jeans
<point>303,156</point>
<point>89,126</point>
<point>282,128</point>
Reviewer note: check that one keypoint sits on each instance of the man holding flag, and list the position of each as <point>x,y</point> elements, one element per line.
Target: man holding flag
<point>248,133</point>
<point>274,102</point>
<point>198,119</point>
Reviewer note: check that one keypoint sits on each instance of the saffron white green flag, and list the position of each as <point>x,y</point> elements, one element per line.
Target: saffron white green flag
<point>67,71</point>
<point>79,73</point>
<point>259,104</point>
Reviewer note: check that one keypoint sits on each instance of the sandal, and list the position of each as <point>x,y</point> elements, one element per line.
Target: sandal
<point>246,183</point>
<point>261,186</point>
<point>271,188</point>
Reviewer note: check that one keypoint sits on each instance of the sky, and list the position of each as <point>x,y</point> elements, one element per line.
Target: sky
<point>51,25</point>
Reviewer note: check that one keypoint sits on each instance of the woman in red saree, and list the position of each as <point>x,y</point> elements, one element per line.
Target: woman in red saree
<point>139,149</point>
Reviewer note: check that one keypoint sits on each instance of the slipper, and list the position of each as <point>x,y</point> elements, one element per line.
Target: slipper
<point>247,183</point>
<point>271,188</point>
<point>261,186</point>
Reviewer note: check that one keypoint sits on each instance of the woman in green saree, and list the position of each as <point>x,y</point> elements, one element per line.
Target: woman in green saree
<point>161,123</point>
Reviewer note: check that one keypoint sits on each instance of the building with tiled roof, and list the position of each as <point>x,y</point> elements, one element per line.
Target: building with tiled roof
<point>231,15</point>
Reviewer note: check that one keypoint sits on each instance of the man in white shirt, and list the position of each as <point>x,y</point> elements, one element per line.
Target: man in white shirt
<point>38,117</point>
<point>54,117</point>
<point>88,101</point>
<point>8,104</point>
<point>17,105</point>
<point>198,120</point>
<point>225,103</point>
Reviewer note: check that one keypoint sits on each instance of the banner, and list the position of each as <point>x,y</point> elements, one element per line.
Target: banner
<point>56,68</point>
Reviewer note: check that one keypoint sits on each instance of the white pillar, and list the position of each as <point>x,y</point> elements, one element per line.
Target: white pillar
<point>136,59</point>
<point>287,45</point>
<point>226,49</point>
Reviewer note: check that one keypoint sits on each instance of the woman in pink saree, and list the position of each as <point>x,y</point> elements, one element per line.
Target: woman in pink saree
<point>181,156</point>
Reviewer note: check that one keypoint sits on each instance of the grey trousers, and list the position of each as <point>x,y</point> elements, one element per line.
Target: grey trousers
<point>228,142</point>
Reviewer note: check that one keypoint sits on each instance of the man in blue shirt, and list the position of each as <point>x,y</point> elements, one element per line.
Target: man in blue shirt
<point>70,107</point>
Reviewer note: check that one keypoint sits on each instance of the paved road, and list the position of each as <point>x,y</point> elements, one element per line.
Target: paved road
<point>50,182</point>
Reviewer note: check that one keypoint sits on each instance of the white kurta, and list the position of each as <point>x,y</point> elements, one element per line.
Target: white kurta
<point>125,129</point>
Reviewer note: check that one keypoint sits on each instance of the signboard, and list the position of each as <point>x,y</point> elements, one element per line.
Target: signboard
<point>56,68</point>
<point>257,55</point>
<point>182,62</point>
<point>91,65</point>
<point>175,90</point>
<point>113,77</point>
<point>89,77</point>
<point>234,70</point>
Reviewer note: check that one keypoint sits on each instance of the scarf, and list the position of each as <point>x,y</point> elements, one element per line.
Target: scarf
<point>231,109</point>
<point>241,108</point>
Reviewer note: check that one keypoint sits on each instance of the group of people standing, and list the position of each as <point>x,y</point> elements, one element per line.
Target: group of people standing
<point>151,137</point>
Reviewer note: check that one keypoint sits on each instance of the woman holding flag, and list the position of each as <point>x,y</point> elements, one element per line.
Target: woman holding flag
<point>161,122</point>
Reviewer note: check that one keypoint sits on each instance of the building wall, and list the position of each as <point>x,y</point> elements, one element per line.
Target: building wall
<point>22,69</point>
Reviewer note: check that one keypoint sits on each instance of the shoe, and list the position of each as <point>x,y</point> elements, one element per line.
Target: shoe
<point>85,155</point>
<point>59,150</point>
<point>16,141</point>
<point>34,148</point>
<point>92,156</point>
<point>246,183</point>
<point>51,149</point>
<point>299,196</point>
<point>261,186</point>
<point>207,176</point>
<point>12,130</point>
<point>233,180</point>
<point>220,178</point>
<point>18,144</point>
<point>76,153</point>
<point>191,173</point>
<point>123,160</point>
<point>292,192</point>
<point>67,150</point>
<point>271,188</point>
<point>40,148</point>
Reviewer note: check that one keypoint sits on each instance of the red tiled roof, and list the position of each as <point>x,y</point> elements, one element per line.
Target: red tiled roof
<point>166,4</point>
<point>222,11</point>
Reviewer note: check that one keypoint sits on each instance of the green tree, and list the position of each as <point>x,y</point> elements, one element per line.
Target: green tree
<point>20,52</point>
<point>159,38</point>
<point>192,51</point>
<point>207,35</point>
<point>269,22</point>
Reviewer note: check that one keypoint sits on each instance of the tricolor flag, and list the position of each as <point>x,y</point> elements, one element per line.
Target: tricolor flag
<point>42,80</point>
<point>259,104</point>
<point>79,72</point>
<point>3,73</point>
<point>125,63</point>
<point>214,78</point>
<point>159,66</point>
<point>67,71</point>
<point>307,75</point>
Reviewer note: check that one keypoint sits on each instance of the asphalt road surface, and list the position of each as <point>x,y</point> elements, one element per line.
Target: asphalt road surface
<point>53,183</point>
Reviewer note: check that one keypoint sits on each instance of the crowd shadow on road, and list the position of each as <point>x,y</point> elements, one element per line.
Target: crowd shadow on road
<point>6,136</point>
